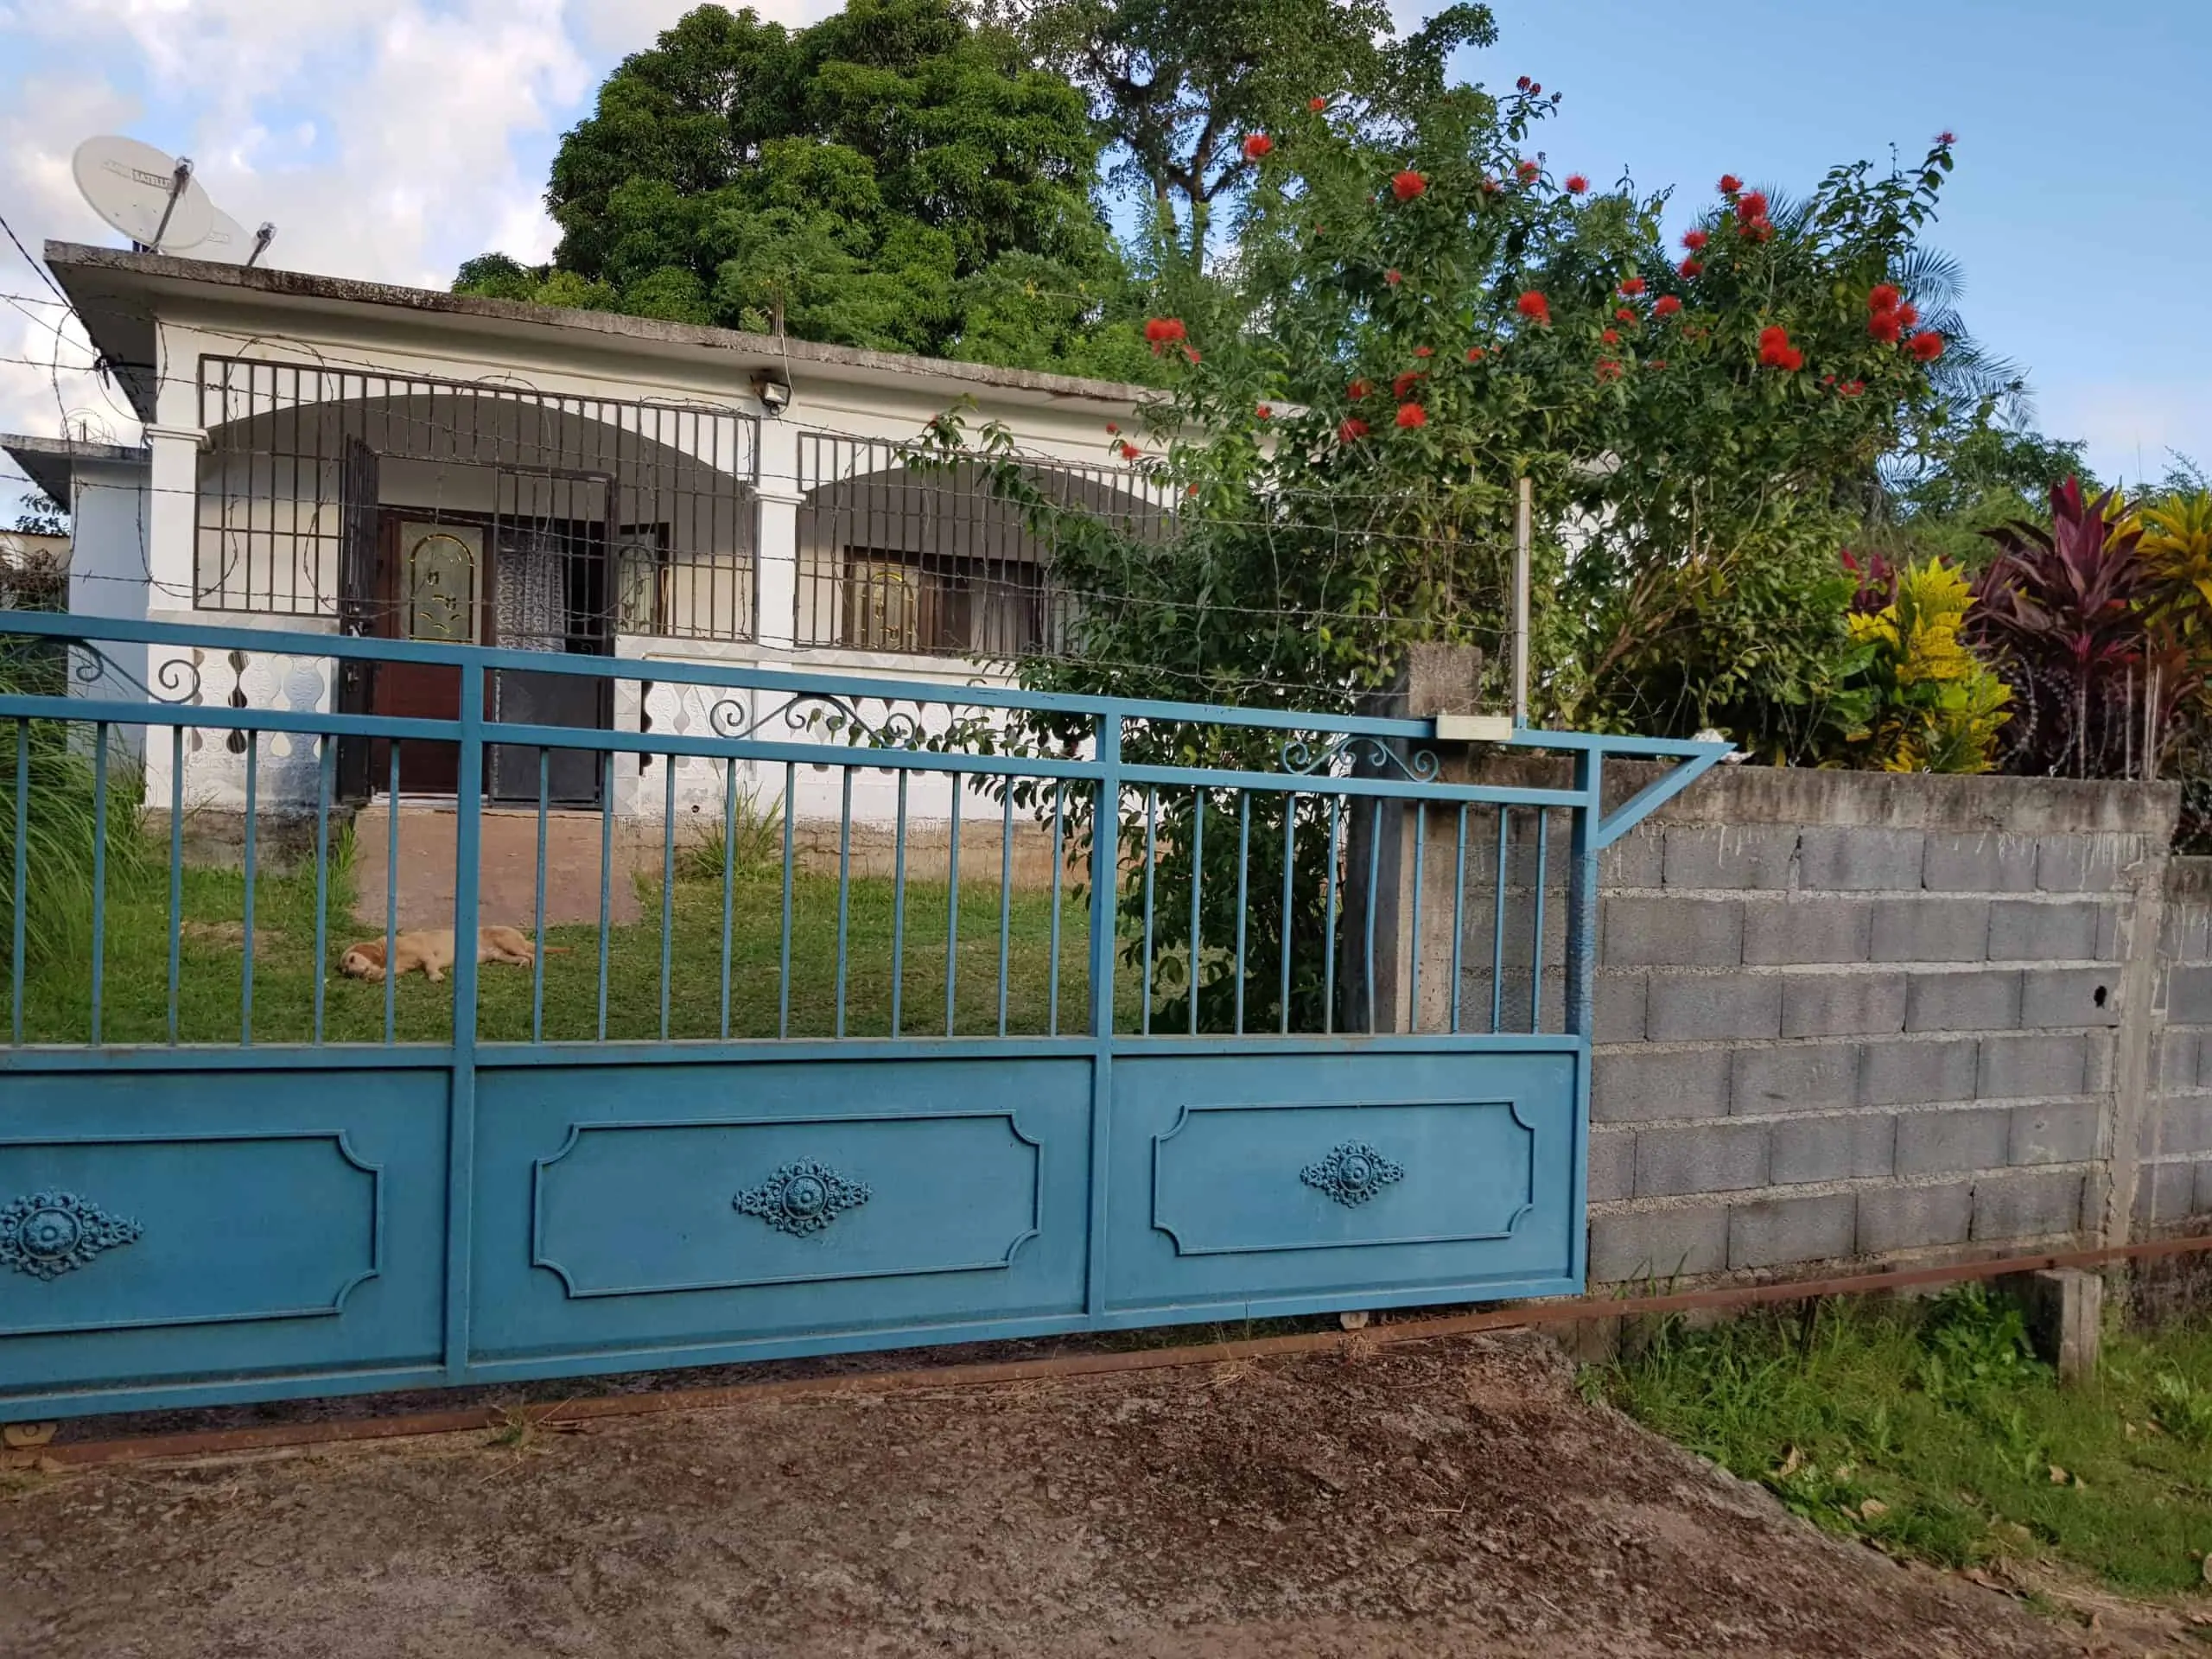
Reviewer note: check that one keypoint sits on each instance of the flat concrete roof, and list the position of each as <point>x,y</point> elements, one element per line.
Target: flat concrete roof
<point>109,286</point>
<point>52,463</point>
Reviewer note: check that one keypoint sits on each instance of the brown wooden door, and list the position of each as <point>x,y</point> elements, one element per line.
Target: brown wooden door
<point>437,573</point>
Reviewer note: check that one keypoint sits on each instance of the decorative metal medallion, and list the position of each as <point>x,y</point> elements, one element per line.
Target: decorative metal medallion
<point>1352,1173</point>
<point>48,1234</point>
<point>803,1196</point>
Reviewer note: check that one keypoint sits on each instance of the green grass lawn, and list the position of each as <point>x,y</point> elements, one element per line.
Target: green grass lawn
<point>1929,1430</point>
<point>134,980</point>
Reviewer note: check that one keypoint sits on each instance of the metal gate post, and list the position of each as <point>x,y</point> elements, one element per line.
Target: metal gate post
<point>1105,880</point>
<point>460,1120</point>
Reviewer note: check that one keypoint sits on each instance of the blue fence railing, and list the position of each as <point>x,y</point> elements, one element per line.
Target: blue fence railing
<point>925,859</point>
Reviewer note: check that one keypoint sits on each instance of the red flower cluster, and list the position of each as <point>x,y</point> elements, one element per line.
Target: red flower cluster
<point>1522,83</point>
<point>1256,145</point>
<point>1889,314</point>
<point>1528,171</point>
<point>1357,390</point>
<point>1112,428</point>
<point>1623,314</point>
<point>1776,352</point>
<point>1393,277</point>
<point>1693,267</point>
<point>1474,353</point>
<point>1163,332</point>
<point>1666,306</point>
<point>1535,307</point>
<point>1751,215</point>
<point>1851,388</point>
<point>1423,351</point>
<point>1730,184</point>
<point>1407,185</point>
<point>1352,430</point>
<point>1612,337</point>
<point>1129,451</point>
<point>1317,104</point>
<point>1947,138</point>
<point>1631,287</point>
<point>1404,384</point>
<point>1695,240</point>
<point>1608,369</point>
<point>1412,414</point>
<point>1264,411</point>
<point>1576,184</point>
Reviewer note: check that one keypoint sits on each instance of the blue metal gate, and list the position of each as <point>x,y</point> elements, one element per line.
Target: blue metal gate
<point>1240,1013</point>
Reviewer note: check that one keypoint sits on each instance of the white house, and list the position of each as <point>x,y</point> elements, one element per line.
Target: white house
<point>323,455</point>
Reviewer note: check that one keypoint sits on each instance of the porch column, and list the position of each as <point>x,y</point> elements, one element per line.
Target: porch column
<point>171,516</point>
<point>776,546</point>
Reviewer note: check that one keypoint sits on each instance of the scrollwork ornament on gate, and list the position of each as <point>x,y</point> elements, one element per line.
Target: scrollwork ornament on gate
<point>1352,1173</point>
<point>1309,758</point>
<point>48,1234</point>
<point>821,712</point>
<point>175,681</point>
<point>802,1198</point>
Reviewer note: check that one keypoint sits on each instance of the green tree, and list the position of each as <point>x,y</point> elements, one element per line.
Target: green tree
<point>891,177</point>
<point>1180,84</point>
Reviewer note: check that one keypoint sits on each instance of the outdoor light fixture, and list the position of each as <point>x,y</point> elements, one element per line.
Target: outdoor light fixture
<point>773,391</point>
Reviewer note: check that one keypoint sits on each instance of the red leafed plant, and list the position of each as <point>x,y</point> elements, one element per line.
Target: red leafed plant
<point>2067,610</point>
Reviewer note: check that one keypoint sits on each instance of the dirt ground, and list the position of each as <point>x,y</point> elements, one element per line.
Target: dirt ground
<point>1439,1499</point>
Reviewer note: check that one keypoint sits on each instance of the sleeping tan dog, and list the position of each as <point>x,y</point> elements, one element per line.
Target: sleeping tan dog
<point>431,950</point>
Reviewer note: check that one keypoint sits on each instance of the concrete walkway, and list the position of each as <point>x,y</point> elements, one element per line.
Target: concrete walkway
<point>507,875</point>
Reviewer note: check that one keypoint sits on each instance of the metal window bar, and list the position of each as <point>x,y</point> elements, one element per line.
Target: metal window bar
<point>900,552</point>
<point>307,468</point>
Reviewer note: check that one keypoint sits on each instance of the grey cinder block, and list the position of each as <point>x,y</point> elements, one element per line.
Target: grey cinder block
<point>1847,858</point>
<point>1637,1086</point>
<point>2084,863</point>
<point>2031,1063</point>
<point>1676,930</point>
<point>2070,996</point>
<point>1633,861</point>
<point>1801,1077</point>
<point>2202,1202</point>
<point>1912,1073</point>
<point>1658,1244</point>
<point>1913,1217</point>
<point>1984,862</point>
<point>2177,1058</point>
<point>2185,932</point>
<point>1612,1165</point>
<point>1937,1143</point>
<point>1976,1000</point>
<point>1700,1158</point>
<point>1856,1147</point>
<point>2027,1203</point>
<point>2165,1192</point>
<point>2188,995</point>
<point>1930,930</point>
<point>1617,1006</point>
<point>1772,1232</point>
<point>1694,1008</point>
<point>2042,930</point>
<point>1727,856</point>
<point>1843,1005</point>
<point>1781,932</point>
<point>2185,1123</point>
<point>2055,1134</point>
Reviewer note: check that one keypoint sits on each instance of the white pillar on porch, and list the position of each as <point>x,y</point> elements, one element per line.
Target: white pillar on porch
<point>776,549</point>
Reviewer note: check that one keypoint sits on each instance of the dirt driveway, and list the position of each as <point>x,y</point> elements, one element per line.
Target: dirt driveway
<point>1442,1498</point>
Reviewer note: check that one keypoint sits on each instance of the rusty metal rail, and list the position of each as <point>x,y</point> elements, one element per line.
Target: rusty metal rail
<point>984,1374</point>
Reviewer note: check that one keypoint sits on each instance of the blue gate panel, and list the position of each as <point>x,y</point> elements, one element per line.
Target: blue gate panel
<point>626,1209</point>
<point>1266,1184</point>
<point>245,1223</point>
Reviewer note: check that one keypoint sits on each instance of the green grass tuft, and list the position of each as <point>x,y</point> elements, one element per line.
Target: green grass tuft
<point>1928,1429</point>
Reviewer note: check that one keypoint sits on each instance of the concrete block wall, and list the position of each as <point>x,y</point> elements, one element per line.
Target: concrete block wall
<point>2173,1164</point>
<point>1849,1016</point>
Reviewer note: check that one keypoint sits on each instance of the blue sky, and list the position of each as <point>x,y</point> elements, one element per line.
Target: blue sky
<point>394,138</point>
<point>2081,206</point>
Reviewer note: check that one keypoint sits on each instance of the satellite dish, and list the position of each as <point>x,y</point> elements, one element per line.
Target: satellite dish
<point>230,242</point>
<point>144,193</point>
